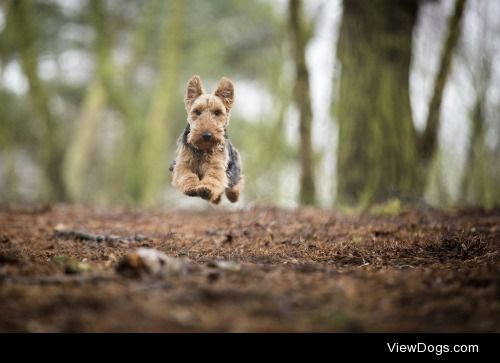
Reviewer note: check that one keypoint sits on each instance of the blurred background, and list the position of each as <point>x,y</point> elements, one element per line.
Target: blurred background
<point>338,103</point>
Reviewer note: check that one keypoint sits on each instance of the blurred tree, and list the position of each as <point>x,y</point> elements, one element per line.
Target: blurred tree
<point>478,185</point>
<point>77,162</point>
<point>428,141</point>
<point>380,153</point>
<point>155,144</point>
<point>302,100</point>
<point>481,168</point>
<point>377,146</point>
<point>50,139</point>
<point>125,173</point>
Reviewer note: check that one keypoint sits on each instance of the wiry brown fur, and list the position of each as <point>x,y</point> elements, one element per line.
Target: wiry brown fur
<point>201,167</point>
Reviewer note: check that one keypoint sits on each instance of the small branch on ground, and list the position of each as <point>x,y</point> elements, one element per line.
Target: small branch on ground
<point>61,231</point>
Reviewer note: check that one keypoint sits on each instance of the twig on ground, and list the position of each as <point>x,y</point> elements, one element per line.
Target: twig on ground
<point>61,231</point>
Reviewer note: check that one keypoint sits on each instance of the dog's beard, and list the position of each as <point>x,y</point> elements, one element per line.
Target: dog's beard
<point>204,145</point>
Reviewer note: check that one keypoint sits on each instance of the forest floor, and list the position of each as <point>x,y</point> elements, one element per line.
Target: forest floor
<point>303,270</point>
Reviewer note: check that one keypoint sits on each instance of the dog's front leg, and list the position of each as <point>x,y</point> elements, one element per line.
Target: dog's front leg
<point>185,180</point>
<point>214,182</point>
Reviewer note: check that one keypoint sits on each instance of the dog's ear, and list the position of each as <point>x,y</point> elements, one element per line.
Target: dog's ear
<point>194,89</point>
<point>225,91</point>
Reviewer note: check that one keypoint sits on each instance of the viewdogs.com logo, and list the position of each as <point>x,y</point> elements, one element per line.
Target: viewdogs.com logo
<point>431,348</point>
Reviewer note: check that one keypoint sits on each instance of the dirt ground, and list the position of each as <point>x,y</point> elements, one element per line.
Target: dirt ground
<point>303,270</point>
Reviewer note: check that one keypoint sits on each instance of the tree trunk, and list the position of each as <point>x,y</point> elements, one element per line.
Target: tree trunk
<point>478,185</point>
<point>154,161</point>
<point>83,140</point>
<point>303,101</point>
<point>124,171</point>
<point>428,141</point>
<point>51,148</point>
<point>377,141</point>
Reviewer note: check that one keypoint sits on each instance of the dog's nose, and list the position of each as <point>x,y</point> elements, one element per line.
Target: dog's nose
<point>207,136</point>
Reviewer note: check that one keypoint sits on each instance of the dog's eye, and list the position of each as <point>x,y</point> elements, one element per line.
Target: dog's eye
<point>197,112</point>
<point>217,112</point>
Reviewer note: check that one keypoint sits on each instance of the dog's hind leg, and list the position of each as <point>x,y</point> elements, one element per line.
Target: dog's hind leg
<point>234,174</point>
<point>233,193</point>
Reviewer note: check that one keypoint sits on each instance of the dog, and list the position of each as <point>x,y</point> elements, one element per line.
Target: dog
<point>207,165</point>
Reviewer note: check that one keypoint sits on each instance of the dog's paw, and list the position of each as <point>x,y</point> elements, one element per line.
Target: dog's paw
<point>216,200</point>
<point>232,195</point>
<point>191,193</point>
<point>204,193</point>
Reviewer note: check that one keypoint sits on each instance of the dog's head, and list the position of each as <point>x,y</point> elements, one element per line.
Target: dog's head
<point>208,114</point>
